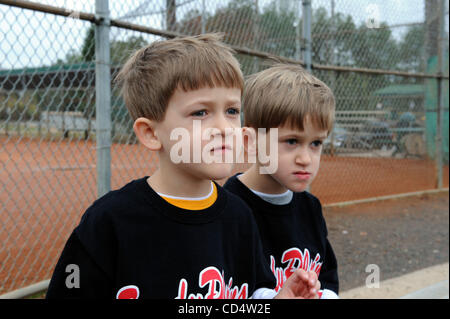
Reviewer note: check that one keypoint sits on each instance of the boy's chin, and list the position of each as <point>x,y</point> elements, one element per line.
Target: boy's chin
<point>217,171</point>
<point>297,187</point>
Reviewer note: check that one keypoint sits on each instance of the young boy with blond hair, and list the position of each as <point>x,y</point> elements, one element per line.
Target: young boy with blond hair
<point>177,233</point>
<point>300,109</point>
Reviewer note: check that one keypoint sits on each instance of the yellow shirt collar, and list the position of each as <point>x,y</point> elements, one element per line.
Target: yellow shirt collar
<point>193,203</point>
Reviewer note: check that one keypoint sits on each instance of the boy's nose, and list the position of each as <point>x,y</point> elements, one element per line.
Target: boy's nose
<point>220,126</point>
<point>303,157</point>
<point>222,123</point>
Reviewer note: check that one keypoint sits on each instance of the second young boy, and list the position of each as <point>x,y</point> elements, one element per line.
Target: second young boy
<point>293,231</point>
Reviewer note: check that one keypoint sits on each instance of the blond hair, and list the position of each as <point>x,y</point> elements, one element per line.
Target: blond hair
<point>286,94</point>
<point>151,75</point>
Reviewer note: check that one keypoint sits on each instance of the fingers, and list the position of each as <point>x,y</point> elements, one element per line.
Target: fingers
<point>301,284</point>
<point>301,274</point>
<point>310,282</point>
<point>299,277</point>
<point>314,284</point>
<point>313,280</point>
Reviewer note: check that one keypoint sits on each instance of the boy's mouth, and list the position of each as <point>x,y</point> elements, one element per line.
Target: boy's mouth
<point>221,148</point>
<point>302,175</point>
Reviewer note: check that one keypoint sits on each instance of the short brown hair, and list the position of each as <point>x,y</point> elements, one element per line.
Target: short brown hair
<point>151,75</point>
<point>286,94</point>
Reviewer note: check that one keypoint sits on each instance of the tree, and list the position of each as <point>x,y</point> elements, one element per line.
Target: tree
<point>412,50</point>
<point>375,48</point>
<point>277,30</point>
<point>236,20</point>
<point>122,49</point>
<point>88,49</point>
<point>332,38</point>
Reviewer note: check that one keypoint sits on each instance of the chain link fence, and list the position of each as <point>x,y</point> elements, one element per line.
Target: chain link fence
<point>66,137</point>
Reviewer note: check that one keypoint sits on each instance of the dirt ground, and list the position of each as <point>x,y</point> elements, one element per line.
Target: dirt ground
<point>399,235</point>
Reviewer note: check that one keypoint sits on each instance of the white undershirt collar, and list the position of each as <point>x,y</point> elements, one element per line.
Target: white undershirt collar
<point>276,199</point>
<point>189,198</point>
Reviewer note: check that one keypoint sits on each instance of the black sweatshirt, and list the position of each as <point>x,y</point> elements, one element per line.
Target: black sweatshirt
<point>132,243</point>
<point>294,235</point>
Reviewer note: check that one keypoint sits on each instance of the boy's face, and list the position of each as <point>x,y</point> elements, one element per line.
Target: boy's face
<point>211,113</point>
<point>298,156</point>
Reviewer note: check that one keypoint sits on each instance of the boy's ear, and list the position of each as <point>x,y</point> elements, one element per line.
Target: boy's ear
<point>145,132</point>
<point>249,140</point>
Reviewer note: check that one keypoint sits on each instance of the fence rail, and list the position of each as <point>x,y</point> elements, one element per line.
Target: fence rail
<point>66,136</point>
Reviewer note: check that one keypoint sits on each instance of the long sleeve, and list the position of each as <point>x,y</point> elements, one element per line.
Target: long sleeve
<point>329,274</point>
<point>77,276</point>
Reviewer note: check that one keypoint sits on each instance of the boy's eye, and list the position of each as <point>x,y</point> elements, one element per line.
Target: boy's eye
<point>291,141</point>
<point>199,113</point>
<point>233,111</point>
<point>317,143</point>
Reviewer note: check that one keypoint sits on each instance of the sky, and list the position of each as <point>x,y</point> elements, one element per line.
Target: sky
<point>30,39</point>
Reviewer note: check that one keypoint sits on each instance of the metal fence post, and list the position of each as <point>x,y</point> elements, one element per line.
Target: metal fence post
<point>306,33</point>
<point>103,97</point>
<point>298,40</point>
<point>440,104</point>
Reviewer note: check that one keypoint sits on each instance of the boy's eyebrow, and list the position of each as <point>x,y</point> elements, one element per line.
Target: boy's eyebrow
<point>302,136</point>
<point>321,138</point>
<point>211,102</point>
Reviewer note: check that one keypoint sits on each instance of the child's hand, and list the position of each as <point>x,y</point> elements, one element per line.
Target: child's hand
<point>300,285</point>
